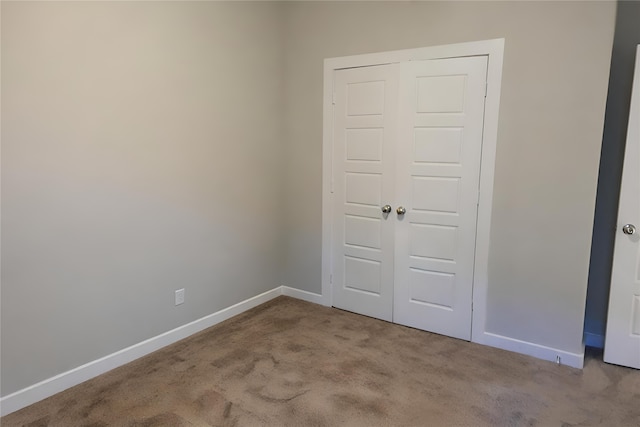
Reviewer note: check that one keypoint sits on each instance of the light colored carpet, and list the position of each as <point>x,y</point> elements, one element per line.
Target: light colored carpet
<point>291,363</point>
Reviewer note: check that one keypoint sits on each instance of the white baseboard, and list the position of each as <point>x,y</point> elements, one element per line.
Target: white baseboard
<point>303,295</point>
<point>593,340</point>
<point>51,386</point>
<point>575,360</point>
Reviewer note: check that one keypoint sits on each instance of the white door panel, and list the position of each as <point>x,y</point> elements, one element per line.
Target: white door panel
<point>622,341</point>
<point>364,131</point>
<point>441,112</point>
<point>437,145</point>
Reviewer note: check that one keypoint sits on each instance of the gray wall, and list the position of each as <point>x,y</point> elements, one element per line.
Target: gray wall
<point>555,77</point>
<point>141,153</point>
<point>625,42</point>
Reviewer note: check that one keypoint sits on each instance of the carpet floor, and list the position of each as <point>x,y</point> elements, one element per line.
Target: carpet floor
<point>292,363</point>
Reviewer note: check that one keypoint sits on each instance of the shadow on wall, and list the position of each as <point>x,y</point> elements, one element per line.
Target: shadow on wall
<point>627,37</point>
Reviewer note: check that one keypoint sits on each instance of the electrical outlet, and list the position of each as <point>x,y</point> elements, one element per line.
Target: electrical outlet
<point>180,296</point>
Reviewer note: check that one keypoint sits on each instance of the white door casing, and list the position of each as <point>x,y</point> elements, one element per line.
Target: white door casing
<point>365,128</point>
<point>622,339</point>
<point>441,113</point>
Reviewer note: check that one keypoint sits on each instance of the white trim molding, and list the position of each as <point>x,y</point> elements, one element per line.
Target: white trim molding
<point>575,360</point>
<point>65,380</point>
<point>303,295</point>
<point>37,392</point>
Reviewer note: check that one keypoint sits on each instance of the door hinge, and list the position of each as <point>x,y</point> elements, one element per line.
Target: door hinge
<point>486,89</point>
<point>333,98</point>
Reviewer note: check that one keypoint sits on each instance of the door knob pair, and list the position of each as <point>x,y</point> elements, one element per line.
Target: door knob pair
<point>400,211</point>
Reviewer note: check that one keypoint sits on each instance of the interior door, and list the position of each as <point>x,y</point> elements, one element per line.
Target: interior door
<point>622,340</point>
<point>441,114</point>
<point>365,115</point>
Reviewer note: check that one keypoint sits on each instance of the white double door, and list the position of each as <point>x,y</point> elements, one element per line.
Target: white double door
<point>408,140</point>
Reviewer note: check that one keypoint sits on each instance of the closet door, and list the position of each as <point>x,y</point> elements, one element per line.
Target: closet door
<point>365,115</point>
<point>441,113</point>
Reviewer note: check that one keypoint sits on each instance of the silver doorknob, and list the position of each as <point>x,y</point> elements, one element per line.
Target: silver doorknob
<point>386,209</point>
<point>401,210</point>
<point>629,229</point>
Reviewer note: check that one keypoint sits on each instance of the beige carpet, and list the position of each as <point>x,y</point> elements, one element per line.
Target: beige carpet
<point>291,363</point>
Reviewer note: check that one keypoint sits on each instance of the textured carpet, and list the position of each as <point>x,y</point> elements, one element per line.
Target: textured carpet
<point>291,363</point>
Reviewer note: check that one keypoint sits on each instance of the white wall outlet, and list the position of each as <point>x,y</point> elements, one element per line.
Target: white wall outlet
<point>180,296</point>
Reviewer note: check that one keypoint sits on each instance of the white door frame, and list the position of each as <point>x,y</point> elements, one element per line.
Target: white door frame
<point>494,49</point>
